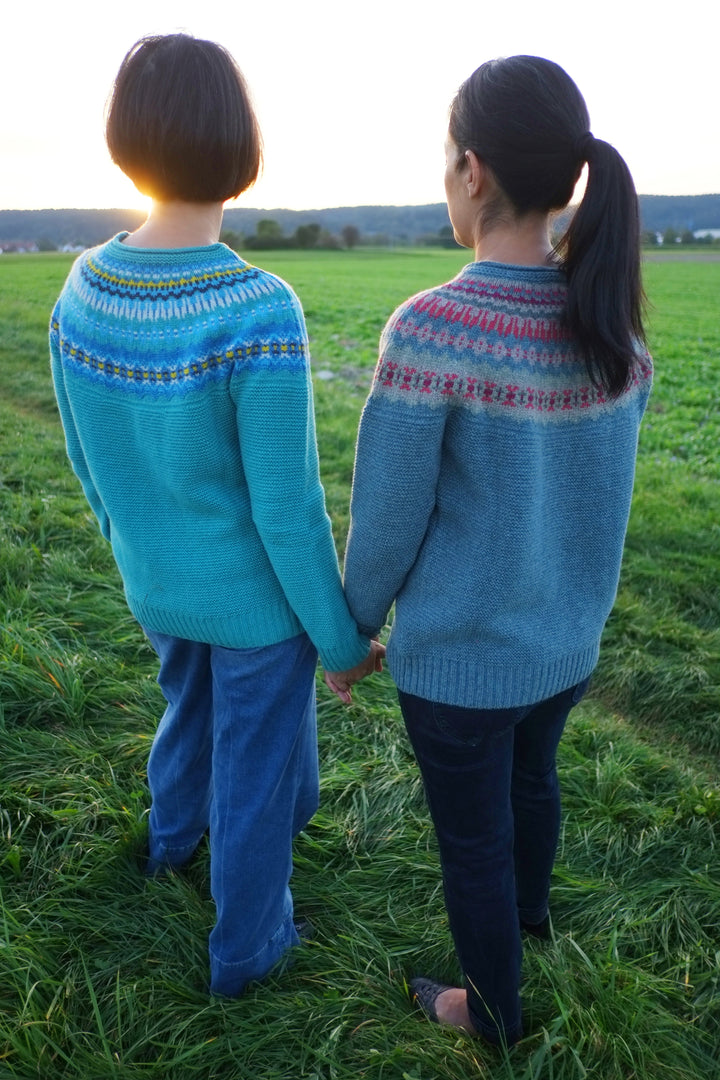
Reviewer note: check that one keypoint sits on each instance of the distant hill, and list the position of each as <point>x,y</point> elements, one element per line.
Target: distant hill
<point>60,227</point>
<point>660,212</point>
<point>392,224</point>
<point>401,224</point>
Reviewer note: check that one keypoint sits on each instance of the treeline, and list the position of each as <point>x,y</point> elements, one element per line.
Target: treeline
<point>401,225</point>
<point>374,224</point>
<point>312,228</point>
<point>681,213</point>
<point>672,236</point>
<point>269,236</point>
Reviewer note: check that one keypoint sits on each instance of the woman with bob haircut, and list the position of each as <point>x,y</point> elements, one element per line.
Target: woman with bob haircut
<point>182,379</point>
<point>492,487</point>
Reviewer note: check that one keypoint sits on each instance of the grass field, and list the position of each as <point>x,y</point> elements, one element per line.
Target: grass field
<point>102,974</point>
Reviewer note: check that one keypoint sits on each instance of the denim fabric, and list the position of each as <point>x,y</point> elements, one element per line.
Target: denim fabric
<point>492,789</point>
<point>236,752</point>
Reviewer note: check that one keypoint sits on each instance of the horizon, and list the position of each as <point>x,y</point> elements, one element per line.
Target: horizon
<point>311,209</point>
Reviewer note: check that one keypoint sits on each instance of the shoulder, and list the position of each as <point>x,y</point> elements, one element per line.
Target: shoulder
<point>106,254</point>
<point>85,258</point>
<point>270,310</point>
<point>413,320</point>
<point>408,351</point>
<point>277,291</point>
<point>71,287</point>
<point>420,304</point>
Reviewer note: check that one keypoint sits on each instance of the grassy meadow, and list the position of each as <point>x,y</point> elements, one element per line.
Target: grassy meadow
<point>103,974</point>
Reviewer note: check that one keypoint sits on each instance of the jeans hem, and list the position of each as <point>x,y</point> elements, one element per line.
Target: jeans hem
<point>231,978</point>
<point>533,916</point>
<point>497,1036</point>
<point>163,857</point>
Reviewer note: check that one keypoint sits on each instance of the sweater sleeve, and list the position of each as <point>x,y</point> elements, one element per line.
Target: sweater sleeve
<point>276,426</point>
<point>72,438</point>
<point>397,464</point>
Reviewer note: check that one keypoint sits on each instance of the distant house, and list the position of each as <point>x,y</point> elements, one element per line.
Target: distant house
<point>700,234</point>
<point>21,247</point>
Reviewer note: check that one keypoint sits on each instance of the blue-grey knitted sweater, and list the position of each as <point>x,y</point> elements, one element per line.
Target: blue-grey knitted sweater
<point>183,383</point>
<point>491,493</point>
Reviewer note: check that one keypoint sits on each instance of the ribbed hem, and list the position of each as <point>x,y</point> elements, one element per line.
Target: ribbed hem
<point>475,686</point>
<point>263,626</point>
<point>267,625</point>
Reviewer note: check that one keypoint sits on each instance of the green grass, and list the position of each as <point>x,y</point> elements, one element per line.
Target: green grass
<point>661,661</point>
<point>102,974</point>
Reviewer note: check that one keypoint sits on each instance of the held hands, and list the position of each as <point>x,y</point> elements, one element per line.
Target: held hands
<point>341,681</point>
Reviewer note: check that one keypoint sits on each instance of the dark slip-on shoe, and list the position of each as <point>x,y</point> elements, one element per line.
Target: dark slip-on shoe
<point>424,993</point>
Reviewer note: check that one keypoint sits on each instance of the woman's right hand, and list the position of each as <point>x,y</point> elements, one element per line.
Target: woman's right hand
<point>340,682</point>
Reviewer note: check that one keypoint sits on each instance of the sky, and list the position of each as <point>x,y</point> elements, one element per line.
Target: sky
<point>353,98</point>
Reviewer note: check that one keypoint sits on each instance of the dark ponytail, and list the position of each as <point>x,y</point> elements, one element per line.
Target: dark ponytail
<point>600,252</point>
<point>526,119</point>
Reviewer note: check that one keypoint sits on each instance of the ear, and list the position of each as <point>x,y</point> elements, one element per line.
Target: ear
<point>476,174</point>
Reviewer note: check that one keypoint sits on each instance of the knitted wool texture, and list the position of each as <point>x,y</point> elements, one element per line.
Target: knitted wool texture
<point>491,493</point>
<point>183,383</point>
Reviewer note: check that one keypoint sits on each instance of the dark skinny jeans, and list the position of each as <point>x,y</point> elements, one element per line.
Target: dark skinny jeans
<point>492,789</point>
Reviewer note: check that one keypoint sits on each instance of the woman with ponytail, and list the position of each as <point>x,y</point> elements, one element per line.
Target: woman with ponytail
<point>492,488</point>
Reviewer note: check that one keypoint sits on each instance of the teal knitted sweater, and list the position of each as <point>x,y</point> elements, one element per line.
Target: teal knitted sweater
<point>491,493</point>
<point>183,383</point>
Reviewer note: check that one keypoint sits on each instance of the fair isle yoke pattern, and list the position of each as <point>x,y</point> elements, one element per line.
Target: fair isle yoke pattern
<point>276,354</point>
<point>491,344</point>
<point>160,287</point>
<point>165,309</point>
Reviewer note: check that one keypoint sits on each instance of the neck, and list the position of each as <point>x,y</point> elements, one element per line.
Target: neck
<point>520,242</point>
<point>178,225</point>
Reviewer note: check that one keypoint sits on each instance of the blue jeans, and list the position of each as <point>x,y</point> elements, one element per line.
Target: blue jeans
<point>236,753</point>
<point>492,789</point>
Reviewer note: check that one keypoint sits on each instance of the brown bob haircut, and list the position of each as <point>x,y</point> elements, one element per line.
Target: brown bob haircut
<point>180,123</point>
